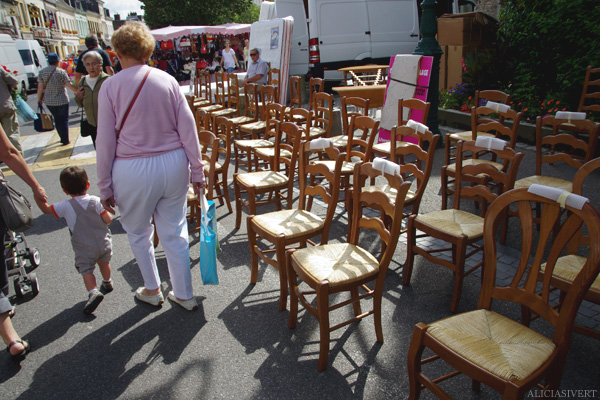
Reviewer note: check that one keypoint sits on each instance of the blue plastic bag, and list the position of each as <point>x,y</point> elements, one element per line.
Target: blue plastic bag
<point>208,242</point>
<point>24,112</point>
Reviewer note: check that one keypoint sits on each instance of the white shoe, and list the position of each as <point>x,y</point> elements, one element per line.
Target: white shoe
<point>189,305</point>
<point>155,299</point>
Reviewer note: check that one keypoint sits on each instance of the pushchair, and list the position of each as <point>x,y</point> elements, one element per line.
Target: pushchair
<point>17,256</point>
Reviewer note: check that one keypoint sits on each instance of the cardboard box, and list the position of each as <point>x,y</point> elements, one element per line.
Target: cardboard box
<point>465,29</point>
<point>454,63</point>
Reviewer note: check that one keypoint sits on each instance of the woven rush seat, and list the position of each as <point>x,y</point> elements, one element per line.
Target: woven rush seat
<point>339,141</point>
<point>455,222</point>
<point>191,196</point>
<point>214,107</point>
<point>390,192</point>
<point>338,263</point>
<point>207,167</point>
<point>468,135</point>
<point>567,268</point>
<point>270,152</point>
<point>242,119</point>
<point>254,143</point>
<point>253,126</point>
<point>289,223</point>
<point>224,112</point>
<point>262,179</point>
<point>544,180</point>
<point>493,342</point>
<point>476,161</point>
<point>316,131</point>
<point>386,147</point>
<point>347,166</point>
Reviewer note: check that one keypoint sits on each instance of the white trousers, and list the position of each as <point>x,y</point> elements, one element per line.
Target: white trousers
<point>156,186</point>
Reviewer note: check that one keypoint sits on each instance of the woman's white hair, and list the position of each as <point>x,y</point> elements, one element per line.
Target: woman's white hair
<point>94,54</point>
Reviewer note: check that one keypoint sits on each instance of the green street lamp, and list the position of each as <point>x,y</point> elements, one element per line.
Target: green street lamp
<point>429,46</point>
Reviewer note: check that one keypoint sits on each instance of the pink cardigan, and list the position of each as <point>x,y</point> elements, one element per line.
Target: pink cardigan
<point>159,121</point>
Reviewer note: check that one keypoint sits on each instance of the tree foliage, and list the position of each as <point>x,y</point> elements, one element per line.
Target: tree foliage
<point>161,13</point>
<point>549,45</point>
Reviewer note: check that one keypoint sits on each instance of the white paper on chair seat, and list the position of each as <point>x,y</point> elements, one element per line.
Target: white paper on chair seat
<point>490,143</point>
<point>568,115</point>
<point>320,143</point>
<point>502,108</point>
<point>560,196</point>
<point>417,126</point>
<point>386,166</point>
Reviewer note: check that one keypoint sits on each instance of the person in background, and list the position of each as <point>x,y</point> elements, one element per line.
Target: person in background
<point>53,92</point>
<point>111,54</point>
<point>258,70</point>
<point>144,163</point>
<point>229,59</point>
<point>16,346</point>
<point>89,87</point>
<point>246,53</point>
<point>91,42</point>
<point>8,111</point>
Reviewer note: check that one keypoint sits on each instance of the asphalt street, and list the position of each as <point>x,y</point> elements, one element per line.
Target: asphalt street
<point>237,345</point>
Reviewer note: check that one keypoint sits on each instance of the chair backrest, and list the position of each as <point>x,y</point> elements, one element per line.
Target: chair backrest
<point>466,188</point>
<point>352,107</point>
<point>555,232</point>
<point>268,94</point>
<point>388,221</point>
<point>275,79</point>
<point>221,86</point>
<point>311,184</point>
<point>315,85</point>
<point>223,129</point>
<point>202,120</point>
<point>288,137</point>
<point>361,145</point>
<point>591,91</point>
<point>304,115</point>
<point>564,143</point>
<point>482,122</point>
<point>406,108</point>
<point>323,111</point>
<point>583,173</point>
<point>204,87</point>
<point>295,92</point>
<point>417,161</point>
<point>251,99</point>
<point>483,96</point>
<point>274,115</point>
<point>208,141</point>
<point>233,98</point>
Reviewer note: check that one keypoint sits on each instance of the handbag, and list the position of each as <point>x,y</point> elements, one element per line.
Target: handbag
<point>208,242</point>
<point>14,208</point>
<point>24,112</point>
<point>44,122</point>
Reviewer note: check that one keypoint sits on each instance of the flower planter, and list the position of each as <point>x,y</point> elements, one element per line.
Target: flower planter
<point>462,120</point>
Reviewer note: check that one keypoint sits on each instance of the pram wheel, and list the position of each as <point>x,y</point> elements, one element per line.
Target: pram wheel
<point>33,282</point>
<point>33,255</point>
<point>18,288</point>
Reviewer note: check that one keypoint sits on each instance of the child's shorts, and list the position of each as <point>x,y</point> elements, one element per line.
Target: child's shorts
<point>85,263</point>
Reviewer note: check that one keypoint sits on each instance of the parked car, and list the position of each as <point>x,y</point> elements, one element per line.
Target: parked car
<point>34,59</point>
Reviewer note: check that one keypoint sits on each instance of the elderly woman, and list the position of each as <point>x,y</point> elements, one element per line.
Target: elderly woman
<point>146,146</point>
<point>89,87</point>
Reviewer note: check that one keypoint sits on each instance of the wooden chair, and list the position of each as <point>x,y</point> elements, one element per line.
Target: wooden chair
<point>487,127</point>
<point>315,85</point>
<point>200,96</point>
<point>481,98</point>
<point>296,226</point>
<point>351,107</point>
<point>460,229</point>
<point>495,350</point>
<point>591,91</point>
<point>303,118</point>
<point>217,169</point>
<point>274,80</point>
<point>330,269</point>
<point>416,167</point>
<point>269,182</point>
<point>268,94</point>
<point>406,109</point>
<point>569,265</point>
<point>322,120</point>
<point>244,149</point>
<point>264,156</point>
<point>257,127</point>
<point>295,92</point>
<point>202,118</point>
<point>231,100</point>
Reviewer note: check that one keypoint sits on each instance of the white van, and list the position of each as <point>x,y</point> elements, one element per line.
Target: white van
<point>9,57</point>
<point>331,34</point>
<point>33,57</point>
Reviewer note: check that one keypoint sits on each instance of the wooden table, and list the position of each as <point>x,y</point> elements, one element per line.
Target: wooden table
<point>375,93</point>
<point>365,74</point>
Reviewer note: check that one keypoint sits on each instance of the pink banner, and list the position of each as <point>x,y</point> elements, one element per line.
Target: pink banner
<point>425,65</point>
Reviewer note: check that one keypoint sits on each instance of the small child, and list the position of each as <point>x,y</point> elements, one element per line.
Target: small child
<point>88,223</point>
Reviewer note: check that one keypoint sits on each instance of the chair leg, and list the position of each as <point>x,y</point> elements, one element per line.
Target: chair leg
<point>459,274</point>
<point>283,281</point>
<point>377,313</point>
<point>410,255</point>
<point>238,202</point>
<point>444,176</point>
<point>293,284</point>
<point>323,312</point>
<point>356,305</point>
<point>253,248</point>
<point>415,352</point>
<point>226,191</point>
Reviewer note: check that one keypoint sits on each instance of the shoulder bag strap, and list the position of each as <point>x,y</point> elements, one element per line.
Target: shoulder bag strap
<point>133,101</point>
<point>46,84</point>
